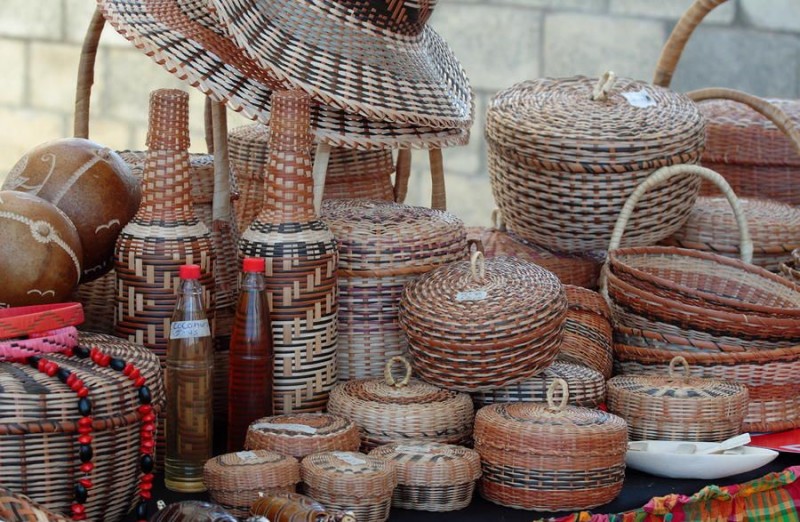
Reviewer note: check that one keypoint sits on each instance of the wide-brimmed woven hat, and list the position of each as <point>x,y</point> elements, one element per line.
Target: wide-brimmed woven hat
<point>188,40</point>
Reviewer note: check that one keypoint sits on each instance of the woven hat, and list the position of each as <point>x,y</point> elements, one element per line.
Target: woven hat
<point>187,38</point>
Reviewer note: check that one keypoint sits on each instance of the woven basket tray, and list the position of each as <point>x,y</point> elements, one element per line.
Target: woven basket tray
<point>351,481</point>
<point>474,326</point>
<point>302,434</point>
<point>237,480</point>
<point>550,457</point>
<point>398,410</point>
<point>38,433</point>
<point>678,407</point>
<point>432,476</point>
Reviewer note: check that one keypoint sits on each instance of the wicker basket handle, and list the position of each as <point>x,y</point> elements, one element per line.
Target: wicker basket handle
<point>477,265</point>
<point>497,221</point>
<point>603,86</point>
<point>664,173</point>
<point>673,48</point>
<point>387,372</point>
<point>674,363</point>
<point>551,393</point>
<point>770,111</point>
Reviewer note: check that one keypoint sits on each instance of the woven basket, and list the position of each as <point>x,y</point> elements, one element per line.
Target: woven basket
<point>678,407</point>
<point>587,331</point>
<point>383,246</point>
<point>748,149</point>
<point>769,375</point>
<point>237,480</point>
<point>562,160</point>
<point>397,410</point>
<point>587,387</point>
<point>39,437</point>
<point>302,434</point>
<point>571,269</point>
<point>349,481</point>
<point>432,476</point>
<point>550,457</point>
<point>19,508</point>
<point>473,325</point>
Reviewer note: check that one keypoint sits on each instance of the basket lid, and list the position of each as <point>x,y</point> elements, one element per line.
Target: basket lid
<point>421,463</point>
<point>250,469</point>
<point>582,124</point>
<point>303,425</point>
<point>349,472</point>
<point>382,234</point>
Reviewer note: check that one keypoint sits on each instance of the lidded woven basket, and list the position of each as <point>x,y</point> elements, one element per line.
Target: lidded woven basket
<point>383,246</point>
<point>678,407</point>
<point>391,410</point>
<point>550,457</point>
<point>302,434</point>
<point>237,480</point>
<point>476,325</point>
<point>345,481</point>
<point>588,333</point>
<point>565,153</point>
<point>432,476</point>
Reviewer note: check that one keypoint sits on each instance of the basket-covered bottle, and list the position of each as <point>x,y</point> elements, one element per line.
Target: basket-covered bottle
<point>301,259</point>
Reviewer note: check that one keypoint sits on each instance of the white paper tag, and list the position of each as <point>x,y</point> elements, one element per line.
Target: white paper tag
<point>350,459</point>
<point>413,449</point>
<point>246,455</point>
<point>639,99</point>
<point>471,295</point>
<point>187,329</point>
<point>301,428</point>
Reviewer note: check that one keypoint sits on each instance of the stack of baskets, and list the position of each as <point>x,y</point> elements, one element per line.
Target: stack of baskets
<point>727,318</point>
<point>383,246</point>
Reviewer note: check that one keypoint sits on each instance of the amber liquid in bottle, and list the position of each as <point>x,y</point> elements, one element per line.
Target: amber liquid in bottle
<point>251,356</point>
<point>189,384</point>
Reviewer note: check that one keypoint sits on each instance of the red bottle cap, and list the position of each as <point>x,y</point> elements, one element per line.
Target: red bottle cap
<point>254,264</point>
<point>189,272</point>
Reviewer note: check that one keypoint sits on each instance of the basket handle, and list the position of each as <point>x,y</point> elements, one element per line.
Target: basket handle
<point>497,220</point>
<point>477,265</point>
<point>551,393</point>
<point>674,363</point>
<point>387,372</point>
<point>603,86</point>
<point>673,48</point>
<point>663,174</point>
<point>770,111</point>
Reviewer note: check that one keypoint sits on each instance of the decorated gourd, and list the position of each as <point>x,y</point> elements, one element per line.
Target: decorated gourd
<point>293,507</point>
<point>193,511</point>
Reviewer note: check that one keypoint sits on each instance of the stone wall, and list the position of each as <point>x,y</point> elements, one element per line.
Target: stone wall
<point>746,44</point>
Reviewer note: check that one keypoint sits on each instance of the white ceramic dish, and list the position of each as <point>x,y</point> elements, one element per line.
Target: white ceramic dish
<point>673,459</point>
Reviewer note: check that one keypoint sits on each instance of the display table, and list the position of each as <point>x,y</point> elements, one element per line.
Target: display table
<point>638,489</point>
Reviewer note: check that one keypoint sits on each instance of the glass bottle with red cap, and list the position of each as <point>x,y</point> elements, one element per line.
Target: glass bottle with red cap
<point>251,355</point>
<point>189,383</point>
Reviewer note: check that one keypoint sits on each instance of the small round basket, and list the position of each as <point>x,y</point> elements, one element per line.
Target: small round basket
<point>398,410</point>
<point>237,480</point>
<point>302,434</point>
<point>550,457</point>
<point>678,407</point>
<point>475,325</point>
<point>432,476</point>
<point>349,481</point>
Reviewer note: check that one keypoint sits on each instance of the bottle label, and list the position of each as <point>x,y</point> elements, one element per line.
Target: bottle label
<point>187,329</point>
<point>350,459</point>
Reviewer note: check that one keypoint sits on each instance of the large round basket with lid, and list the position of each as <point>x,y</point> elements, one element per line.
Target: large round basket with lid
<point>389,409</point>
<point>550,457</point>
<point>564,154</point>
<point>678,407</point>
<point>476,325</point>
<point>383,246</point>
<point>301,434</point>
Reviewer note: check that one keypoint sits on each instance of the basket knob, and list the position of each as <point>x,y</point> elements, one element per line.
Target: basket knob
<point>477,265</point>
<point>387,372</point>
<point>675,362</point>
<point>603,86</point>
<point>551,392</point>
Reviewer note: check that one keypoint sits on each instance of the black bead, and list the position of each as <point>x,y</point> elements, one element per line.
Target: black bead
<point>63,374</point>
<point>146,463</point>
<point>117,364</point>
<point>33,361</point>
<point>81,351</point>
<point>80,493</point>
<point>85,406</point>
<point>85,452</point>
<point>141,511</point>
<point>144,395</point>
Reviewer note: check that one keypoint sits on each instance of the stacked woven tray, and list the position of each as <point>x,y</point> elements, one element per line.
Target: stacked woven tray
<point>302,434</point>
<point>383,246</point>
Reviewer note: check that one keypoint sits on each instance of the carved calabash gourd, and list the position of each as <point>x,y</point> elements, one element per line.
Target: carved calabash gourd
<point>293,507</point>
<point>193,511</point>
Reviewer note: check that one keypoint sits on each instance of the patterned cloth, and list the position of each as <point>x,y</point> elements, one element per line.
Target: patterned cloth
<point>774,497</point>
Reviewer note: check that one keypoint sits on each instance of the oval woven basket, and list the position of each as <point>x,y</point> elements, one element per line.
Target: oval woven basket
<point>562,160</point>
<point>678,406</point>
<point>389,409</point>
<point>39,437</point>
<point>302,434</point>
